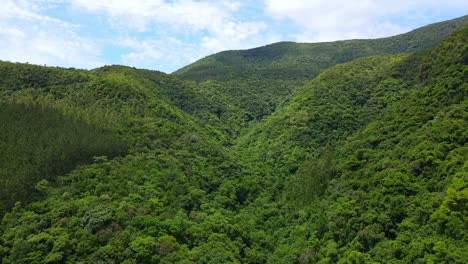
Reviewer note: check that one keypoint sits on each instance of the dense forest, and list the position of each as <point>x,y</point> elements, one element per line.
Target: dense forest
<point>258,80</point>
<point>343,152</point>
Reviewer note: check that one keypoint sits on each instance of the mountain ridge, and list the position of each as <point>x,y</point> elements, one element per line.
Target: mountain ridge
<point>272,73</point>
<point>410,42</point>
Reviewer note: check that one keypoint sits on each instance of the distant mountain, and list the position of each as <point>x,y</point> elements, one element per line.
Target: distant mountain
<point>257,80</point>
<point>301,61</point>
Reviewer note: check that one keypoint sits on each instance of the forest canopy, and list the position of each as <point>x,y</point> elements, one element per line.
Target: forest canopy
<point>270,155</point>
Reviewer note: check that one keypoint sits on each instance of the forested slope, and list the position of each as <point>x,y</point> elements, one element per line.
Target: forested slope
<point>257,80</point>
<point>175,164</point>
<point>64,118</point>
<point>387,184</point>
<point>303,61</point>
<point>38,143</point>
<point>366,163</point>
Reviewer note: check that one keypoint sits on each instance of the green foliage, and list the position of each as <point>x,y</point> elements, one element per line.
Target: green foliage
<point>366,163</point>
<point>39,143</point>
<point>312,178</point>
<point>19,76</point>
<point>302,61</point>
<point>255,82</point>
<point>328,109</point>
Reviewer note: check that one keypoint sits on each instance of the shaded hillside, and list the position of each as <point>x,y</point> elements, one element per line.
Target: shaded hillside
<point>38,143</point>
<point>221,116</point>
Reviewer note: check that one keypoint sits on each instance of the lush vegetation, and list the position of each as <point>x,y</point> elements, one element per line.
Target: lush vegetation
<point>38,143</point>
<point>257,80</point>
<point>364,163</point>
<point>303,61</point>
<point>382,192</point>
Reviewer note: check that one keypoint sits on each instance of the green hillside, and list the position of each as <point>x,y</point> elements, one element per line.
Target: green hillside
<point>370,168</point>
<point>303,61</point>
<point>68,117</point>
<point>257,80</point>
<point>175,164</point>
<point>363,161</point>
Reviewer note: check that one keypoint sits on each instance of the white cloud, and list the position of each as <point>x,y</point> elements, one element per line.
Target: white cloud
<point>141,14</point>
<point>327,20</point>
<point>235,36</point>
<point>208,26</point>
<point>168,53</point>
<point>28,36</point>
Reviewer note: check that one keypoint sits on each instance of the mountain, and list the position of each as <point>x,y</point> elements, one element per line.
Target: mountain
<point>303,61</point>
<point>363,162</point>
<point>257,80</point>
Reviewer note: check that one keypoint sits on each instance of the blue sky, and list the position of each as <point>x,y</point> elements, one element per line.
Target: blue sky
<point>167,35</point>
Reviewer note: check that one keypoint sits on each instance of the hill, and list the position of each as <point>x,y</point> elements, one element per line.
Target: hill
<point>258,80</point>
<point>56,119</point>
<point>367,162</point>
<point>173,162</point>
<point>303,61</point>
<point>364,163</point>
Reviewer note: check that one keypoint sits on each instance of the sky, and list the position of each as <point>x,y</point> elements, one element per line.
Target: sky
<point>166,35</point>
